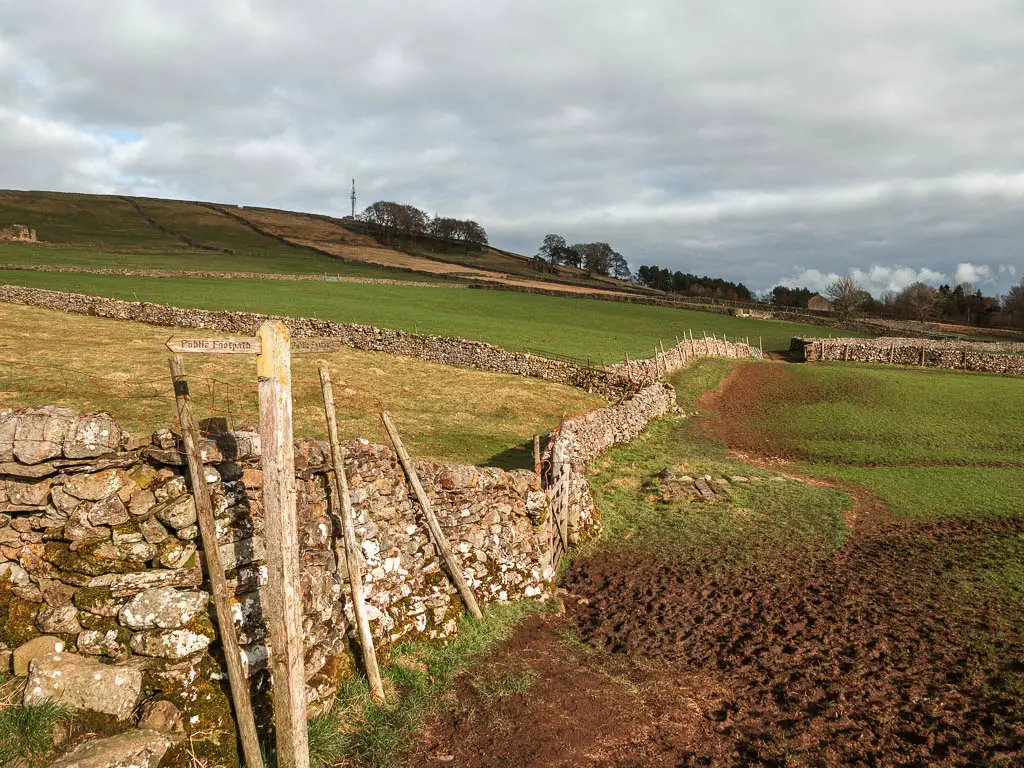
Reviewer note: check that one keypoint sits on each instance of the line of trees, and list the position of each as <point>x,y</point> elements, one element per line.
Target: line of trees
<point>962,303</point>
<point>397,219</point>
<point>595,258</point>
<point>662,279</point>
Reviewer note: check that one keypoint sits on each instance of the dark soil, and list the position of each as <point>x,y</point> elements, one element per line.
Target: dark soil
<point>582,706</point>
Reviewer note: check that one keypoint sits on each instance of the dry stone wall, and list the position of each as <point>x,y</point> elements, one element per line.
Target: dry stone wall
<point>226,275</point>
<point>988,357</point>
<point>99,556</point>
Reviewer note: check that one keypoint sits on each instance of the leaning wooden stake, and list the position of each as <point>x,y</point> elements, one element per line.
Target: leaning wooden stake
<point>284,603</point>
<point>629,370</point>
<point>440,541</point>
<point>347,524</point>
<point>215,569</point>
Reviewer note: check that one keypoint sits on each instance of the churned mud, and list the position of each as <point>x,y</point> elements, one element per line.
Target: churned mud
<point>875,655</point>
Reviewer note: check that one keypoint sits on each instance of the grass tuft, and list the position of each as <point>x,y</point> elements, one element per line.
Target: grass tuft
<point>27,733</point>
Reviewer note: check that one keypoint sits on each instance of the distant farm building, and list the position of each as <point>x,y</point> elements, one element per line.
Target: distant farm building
<point>819,302</point>
<point>17,233</point>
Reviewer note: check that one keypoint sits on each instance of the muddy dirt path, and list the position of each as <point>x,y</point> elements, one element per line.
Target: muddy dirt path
<point>886,652</point>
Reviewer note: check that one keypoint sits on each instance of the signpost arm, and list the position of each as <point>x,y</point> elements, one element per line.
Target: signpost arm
<point>273,366</point>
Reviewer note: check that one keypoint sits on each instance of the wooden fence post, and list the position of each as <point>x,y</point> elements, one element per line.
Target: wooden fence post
<point>440,540</point>
<point>629,370</point>
<point>561,498</point>
<point>922,354</point>
<point>347,526</point>
<point>536,454</point>
<point>284,604</point>
<point>215,569</point>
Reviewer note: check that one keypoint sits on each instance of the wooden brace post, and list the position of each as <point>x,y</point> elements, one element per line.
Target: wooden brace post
<point>436,533</point>
<point>346,524</point>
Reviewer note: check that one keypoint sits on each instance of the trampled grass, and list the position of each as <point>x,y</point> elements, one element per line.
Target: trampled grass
<point>446,414</point>
<point>586,328</point>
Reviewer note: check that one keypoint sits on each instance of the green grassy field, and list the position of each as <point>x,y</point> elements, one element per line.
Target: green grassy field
<point>293,261</point>
<point>579,327</point>
<point>928,443</point>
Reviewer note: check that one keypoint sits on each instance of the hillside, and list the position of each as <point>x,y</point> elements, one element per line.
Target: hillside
<point>146,233</point>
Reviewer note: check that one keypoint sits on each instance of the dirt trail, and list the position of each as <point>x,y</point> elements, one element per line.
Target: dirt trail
<point>888,651</point>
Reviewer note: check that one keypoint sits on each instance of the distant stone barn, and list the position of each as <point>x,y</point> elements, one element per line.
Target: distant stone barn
<point>819,302</point>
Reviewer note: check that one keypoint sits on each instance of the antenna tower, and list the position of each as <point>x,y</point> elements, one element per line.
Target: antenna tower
<point>353,198</point>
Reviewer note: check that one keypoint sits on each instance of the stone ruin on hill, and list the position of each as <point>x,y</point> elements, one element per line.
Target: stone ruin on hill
<point>17,233</point>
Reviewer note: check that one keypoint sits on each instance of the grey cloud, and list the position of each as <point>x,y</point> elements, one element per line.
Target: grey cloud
<point>745,139</point>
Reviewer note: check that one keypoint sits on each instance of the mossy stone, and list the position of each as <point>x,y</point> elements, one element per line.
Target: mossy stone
<point>19,622</point>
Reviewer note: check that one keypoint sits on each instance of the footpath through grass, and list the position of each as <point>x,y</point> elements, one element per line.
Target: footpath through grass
<point>586,328</point>
<point>758,518</point>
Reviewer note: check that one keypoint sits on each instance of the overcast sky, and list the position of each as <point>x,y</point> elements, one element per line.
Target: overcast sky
<point>758,141</point>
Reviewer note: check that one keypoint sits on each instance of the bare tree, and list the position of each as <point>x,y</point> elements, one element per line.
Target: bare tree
<point>846,295</point>
<point>918,302</point>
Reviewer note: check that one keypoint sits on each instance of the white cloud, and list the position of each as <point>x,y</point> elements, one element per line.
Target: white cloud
<point>972,273</point>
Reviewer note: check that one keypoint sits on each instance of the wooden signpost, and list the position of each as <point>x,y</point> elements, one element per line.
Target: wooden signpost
<point>273,347</point>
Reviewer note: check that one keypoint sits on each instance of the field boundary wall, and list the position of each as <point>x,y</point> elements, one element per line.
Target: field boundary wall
<point>317,278</point>
<point>99,544</point>
<point>986,357</point>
